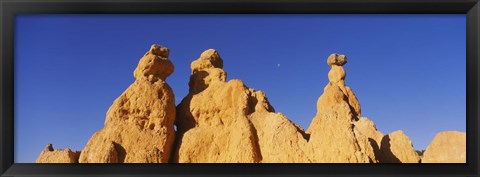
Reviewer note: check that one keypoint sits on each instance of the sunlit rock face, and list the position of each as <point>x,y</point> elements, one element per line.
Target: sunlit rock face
<point>447,147</point>
<point>220,121</point>
<point>396,147</point>
<point>332,137</point>
<point>50,155</point>
<point>226,121</point>
<point>369,138</point>
<point>139,126</point>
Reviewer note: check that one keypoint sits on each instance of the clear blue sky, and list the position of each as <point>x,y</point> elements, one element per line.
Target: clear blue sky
<point>408,71</point>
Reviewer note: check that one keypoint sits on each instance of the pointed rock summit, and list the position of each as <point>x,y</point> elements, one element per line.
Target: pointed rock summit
<point>139,124</point>
<point>49,155</point>
<point>221,121</point>
<point>397,148</point>
<point>447,147</point>
<point>332,137</point>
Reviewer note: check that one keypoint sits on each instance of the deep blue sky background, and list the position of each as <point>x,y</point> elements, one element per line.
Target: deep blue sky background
<point>408,71</point>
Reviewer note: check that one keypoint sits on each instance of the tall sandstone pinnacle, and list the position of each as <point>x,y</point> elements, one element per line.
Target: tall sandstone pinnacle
<point>139,126</point>
<point>447,147</point>
<point>221,121</point>
<point>332,137</point>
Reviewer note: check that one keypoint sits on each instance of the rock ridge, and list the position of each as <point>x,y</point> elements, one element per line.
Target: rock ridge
<point>222,121</point>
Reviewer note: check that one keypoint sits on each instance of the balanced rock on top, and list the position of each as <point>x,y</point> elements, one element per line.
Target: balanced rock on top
<point>332,137</point>
<point>139,126</point>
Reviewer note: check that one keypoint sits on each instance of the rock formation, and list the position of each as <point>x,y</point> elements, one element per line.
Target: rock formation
<point>397,148</point>
<point>50,155</point>
<point>332,137</point>
<point>279,139</point>
<point>392,148</point>
<point>221,121</point>
<point>447,147</point>
<point>139,126</point>
<point>369,138</point>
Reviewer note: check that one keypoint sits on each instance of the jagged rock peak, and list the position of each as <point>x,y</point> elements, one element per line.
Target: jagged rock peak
<point>51,155</point>
<point>154,65</point>
<point>208,59</point>
<point>220,121</point>
<point>49,147</point>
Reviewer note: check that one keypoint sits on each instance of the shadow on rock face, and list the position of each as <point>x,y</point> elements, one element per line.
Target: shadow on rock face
<point>376,149</point>
<point>386,152</point>
<point>197,82</point>
<point>121,152</point>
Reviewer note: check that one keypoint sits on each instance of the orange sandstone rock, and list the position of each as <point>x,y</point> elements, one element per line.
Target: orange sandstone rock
<point>397,148</point>
<point>447,147</point>
<point>139,126</point>
<point>221,121</point>
<point>50,155</point>
<point>369,138</point>
<point>332,137</point>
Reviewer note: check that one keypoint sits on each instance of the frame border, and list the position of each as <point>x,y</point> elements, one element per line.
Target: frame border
<point>9,8</point>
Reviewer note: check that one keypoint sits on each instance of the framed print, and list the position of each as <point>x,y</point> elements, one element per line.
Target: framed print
<point>239,88</point>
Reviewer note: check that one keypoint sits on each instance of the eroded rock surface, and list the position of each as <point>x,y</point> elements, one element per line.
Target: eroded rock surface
<point>226,121</point>
<point>220,121</point>
<point>397,148</point>
<point>139,126</point>
<point>332,137</point>
<point>369,138</point>
<point>447,147</point>
<point>50,155</point>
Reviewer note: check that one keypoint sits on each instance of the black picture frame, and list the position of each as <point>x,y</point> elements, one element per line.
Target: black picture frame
<point>9,8</point>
